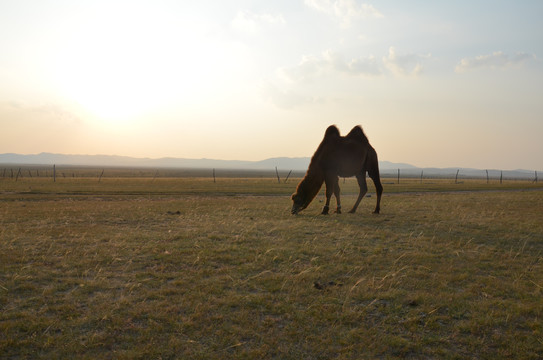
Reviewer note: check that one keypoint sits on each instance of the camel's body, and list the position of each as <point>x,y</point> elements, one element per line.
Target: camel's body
<point>339,156</point>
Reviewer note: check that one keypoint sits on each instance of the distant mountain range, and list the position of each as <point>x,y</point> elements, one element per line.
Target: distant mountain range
<point>298,164</point>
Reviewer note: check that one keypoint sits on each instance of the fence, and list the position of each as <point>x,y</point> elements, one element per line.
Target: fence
<point>56,172</point>
<point>458,175</point>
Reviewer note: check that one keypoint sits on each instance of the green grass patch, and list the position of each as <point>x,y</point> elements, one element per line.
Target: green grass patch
<point>188,268</point>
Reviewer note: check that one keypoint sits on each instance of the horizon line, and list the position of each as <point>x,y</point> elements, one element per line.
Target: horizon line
<point>304,158</point>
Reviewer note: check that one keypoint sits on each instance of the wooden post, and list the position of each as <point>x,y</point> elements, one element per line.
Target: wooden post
<point>535,179</point>
<point>456,177</point>
<point>214,178</point>
<point>18,172</point>
<point>290,172</point>
<point>487,176</point>
<point>501,177</point>
<point>398,176</point>
<point>278,178</point>
<point>100,178</point>
<point>54,173</point>
<point>421,173</point>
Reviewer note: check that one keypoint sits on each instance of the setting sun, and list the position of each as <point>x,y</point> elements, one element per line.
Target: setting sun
<point>113,74</point>
<point>120,72</point>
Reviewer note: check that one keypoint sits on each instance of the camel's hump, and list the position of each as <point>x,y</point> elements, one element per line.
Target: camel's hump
<point>332,130</point>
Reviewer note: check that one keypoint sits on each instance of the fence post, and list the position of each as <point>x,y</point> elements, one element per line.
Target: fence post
<point>214,178</point>
<point>487,176</point>
<point>278,178</point>
<point>54,173</point>
<point>290,172</point>
<point>456,177</point>
<point>501,177</point>
<point>398,176</point>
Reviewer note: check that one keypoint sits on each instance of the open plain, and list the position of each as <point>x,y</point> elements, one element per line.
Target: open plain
<point>165,268</point>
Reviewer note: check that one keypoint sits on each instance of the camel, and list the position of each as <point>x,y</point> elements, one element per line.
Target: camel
<point>339,156</point>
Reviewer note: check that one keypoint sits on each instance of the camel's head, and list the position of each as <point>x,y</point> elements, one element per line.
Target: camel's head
<point>298,203</point>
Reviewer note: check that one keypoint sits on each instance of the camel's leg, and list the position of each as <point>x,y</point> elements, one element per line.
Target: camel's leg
<point>373,172</point>
<point>329,190</point>
<point>378,189</point>
<point>363,190</point>
<point>332,187</point>
<point>336,193</point>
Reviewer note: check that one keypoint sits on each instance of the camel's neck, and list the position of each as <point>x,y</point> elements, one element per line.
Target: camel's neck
<point>311,184</point>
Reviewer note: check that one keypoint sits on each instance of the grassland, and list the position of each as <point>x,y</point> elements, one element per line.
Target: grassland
<point>187,268</point>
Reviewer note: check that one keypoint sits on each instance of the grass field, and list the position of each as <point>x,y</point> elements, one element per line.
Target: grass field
<point>187,268</point>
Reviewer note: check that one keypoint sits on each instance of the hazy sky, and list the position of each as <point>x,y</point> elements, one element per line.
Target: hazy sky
<point>433,83</point>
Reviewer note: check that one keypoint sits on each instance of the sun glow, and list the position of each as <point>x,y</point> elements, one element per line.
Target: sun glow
<point>118,73</point>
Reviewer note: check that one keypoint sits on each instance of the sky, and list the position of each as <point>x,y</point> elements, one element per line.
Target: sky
<point>432,83</point>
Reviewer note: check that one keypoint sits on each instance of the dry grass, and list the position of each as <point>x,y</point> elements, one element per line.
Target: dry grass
<point>157,273</point>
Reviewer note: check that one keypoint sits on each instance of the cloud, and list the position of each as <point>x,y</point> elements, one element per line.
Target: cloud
<point>403,65</point>
<point>345,10</point>
<point>311,67</point>
<point>285,99</point>
<point>30,127</point>
<point>59,114</point>
<point>249,22</point>
<point>366,66</point>
<point>308,68</point>
<point>44,113</point>
<point>496,60</point>
<point>333,64</point>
